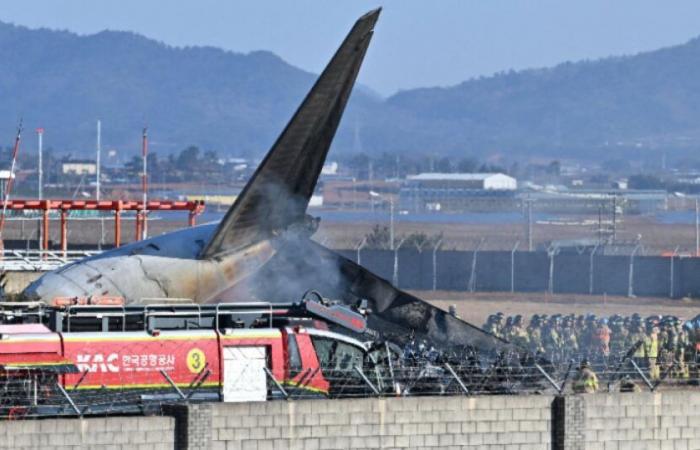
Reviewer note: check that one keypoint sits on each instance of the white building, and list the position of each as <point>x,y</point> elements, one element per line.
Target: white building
<point>458,192</point>
<point>484,181</point>
<point>78,167</point>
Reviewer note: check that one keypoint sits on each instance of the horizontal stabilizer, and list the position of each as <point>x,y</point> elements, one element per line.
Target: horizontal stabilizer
<point>278,194</point>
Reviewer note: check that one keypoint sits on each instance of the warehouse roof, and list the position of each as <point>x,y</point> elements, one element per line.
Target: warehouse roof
<point>454,176</point>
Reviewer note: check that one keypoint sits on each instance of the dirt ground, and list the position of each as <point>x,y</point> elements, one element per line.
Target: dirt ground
<point>475,307</point>
<point>656,237</point>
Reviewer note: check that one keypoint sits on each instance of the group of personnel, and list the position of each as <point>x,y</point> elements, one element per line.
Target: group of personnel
<point>660,346</point>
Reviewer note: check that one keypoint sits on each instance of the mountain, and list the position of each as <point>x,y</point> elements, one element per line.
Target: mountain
<point>234,103</point>
<point>649,101</point>
<point>238,103</point>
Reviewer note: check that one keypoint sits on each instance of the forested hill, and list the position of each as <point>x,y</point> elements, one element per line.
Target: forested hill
<point>230,102</point>
<point>237,103</point>
<point>650,100</point>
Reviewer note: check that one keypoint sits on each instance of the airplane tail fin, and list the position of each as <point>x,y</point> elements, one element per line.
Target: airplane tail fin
<point>278,193</point>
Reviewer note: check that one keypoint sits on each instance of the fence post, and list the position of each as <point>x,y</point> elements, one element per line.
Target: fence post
<point>472,275</point>
<point>435,249</point>
<point>675,252</point>
<point>591,270</point>
<point>512,266</point>
<point>396,263</point>
<point>630,282</point>
<point>359,249</point>
<point>551,252</point>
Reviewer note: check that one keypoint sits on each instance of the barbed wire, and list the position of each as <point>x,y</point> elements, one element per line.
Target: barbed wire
<point>36,393</point>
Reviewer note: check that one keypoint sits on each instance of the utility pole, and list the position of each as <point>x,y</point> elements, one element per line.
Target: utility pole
<point>614,219</point>
<point>97,159</point>
<point>435,250</point>
<point>512,266</point>
<point>40,173</point>
<point>528,223</point>
<point>391,223</point>
<point>630,281</point>
<point>40,167</point>
<point>697,228</point>
<point>144,182</point>
<point>98,176</point>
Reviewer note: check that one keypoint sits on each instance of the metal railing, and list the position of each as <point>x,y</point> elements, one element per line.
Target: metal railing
<point>40,260</point>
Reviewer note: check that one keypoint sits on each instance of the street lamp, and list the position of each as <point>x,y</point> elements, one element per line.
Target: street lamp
<point>512,266</point>
<point>390,200</point>
<point>630,281</point>
<point>673,256</point>
<point>590,269</point>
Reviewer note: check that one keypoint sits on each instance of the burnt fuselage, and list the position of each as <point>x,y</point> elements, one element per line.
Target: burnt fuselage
<point>166,266</point>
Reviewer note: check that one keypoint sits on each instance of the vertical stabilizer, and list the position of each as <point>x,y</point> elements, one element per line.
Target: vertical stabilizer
<point>278,193</point>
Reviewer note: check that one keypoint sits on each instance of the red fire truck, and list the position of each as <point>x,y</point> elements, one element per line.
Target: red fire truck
<point>87,358</point>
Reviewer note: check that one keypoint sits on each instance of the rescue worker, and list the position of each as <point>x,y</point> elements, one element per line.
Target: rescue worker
<point>569,339</point>
<point>681,367</point>
<point>651,351</point>
<point>619,335</point>
<point>627,385</point>
<point>666,343</point>
<point>551,339</point>
<point>636,336</point>
<point>535,335</point>
<point>586,381</point>
<point>601,340</point>
<point>518,334</point>
<point>452,310</point>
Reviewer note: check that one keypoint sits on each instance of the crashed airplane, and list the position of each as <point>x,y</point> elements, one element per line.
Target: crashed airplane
<point>262,247</point>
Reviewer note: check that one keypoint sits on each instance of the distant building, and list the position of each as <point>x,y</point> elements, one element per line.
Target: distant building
<point>330,168</point>
<point>481,181</point>
<point>458,192</point>
<point>620,184</point>
<point>78,167</point>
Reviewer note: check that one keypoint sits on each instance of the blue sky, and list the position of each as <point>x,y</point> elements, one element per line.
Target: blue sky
<point>417,43</point>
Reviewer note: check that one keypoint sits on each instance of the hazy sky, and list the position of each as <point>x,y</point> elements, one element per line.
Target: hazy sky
<point>417,43</point>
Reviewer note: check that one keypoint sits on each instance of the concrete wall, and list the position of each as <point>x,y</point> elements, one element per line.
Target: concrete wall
<point>156,433</point>
<point>669,420</point>
<point>507,423</point>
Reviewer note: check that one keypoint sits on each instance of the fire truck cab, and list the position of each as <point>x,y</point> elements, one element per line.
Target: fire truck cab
<point>90,358</point>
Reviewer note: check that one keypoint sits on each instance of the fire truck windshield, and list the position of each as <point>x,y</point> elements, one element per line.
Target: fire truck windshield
<point>337,356</point>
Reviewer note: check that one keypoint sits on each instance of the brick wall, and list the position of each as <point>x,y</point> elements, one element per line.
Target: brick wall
<point>501,422</point>
<point>668,420</point>
<point>135,433</point>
